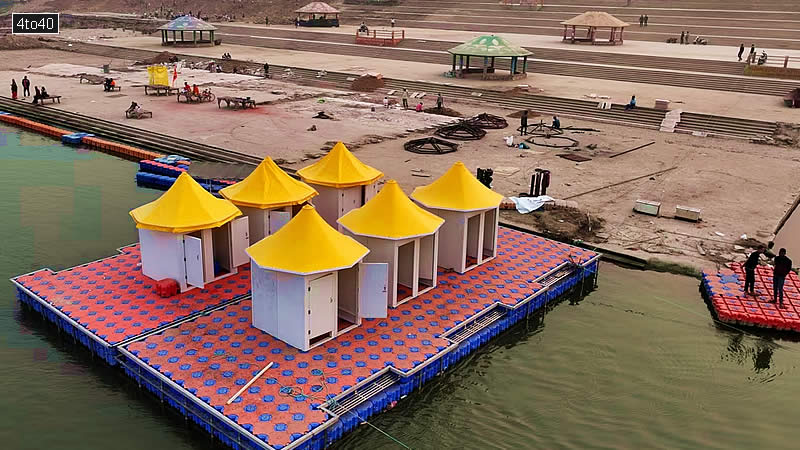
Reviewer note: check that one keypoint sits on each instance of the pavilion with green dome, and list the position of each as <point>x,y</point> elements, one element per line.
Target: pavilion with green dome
<point>488,48</point>
<point>188,30</point>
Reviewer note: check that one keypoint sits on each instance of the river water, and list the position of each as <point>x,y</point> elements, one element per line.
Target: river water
<point>638,363</point>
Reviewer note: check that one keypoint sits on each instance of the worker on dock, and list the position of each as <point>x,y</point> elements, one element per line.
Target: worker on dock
<point>405,98</point>
<point>750,270</point>
<point>741,51</point>
<point>439,102</point>
<point>13,89</point>
<point>783,265</point>
<point>556,123</point>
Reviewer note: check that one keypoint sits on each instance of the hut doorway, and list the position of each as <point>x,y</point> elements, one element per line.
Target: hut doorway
<point>474,241</point>
<point>489,233</point>
<point>406,270</point>
<point>427,260</point>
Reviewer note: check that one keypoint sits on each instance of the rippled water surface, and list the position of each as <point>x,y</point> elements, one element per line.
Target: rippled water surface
<point>637,364</point>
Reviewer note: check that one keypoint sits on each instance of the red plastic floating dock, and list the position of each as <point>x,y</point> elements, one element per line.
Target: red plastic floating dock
<point>725,289</point>
<point>197,349</point>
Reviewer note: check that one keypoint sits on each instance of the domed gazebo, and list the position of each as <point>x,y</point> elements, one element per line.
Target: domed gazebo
<point>593,20</point>
<point>489,47</point>
<point>180,28</point>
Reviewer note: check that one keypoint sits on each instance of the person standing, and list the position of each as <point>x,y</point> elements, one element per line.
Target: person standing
<point>405,98</point>
<point>26,87</point>
<point>741,51</point>
<point>687,37</point>
<point>439,102</point>
<point>523,123</point>
<point>751,58</point>
<point>266,20</point>
<point>296,22</point>
<point>13,89</point>
<point>646,19</point>
<point>556,123</point>
<point>266,70</point>
<point>392,22</point>
<point>641,20</point>
<point>682,37</point>
<point>783,265</point>
<point>750,271</point>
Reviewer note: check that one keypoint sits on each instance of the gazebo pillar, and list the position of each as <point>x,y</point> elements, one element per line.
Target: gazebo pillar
<point>525,64</point>
<point>182,38</point>
<point>621,30</point>
<point>454,63</point>
<point>194,38</point>
<point>513,65</point>
<point>467,62</point>
<point>485,65</point>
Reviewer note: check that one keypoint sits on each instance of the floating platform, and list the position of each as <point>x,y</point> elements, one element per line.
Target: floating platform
<point>725,291</point>
<point>108,302</point>
<point>196,350</point>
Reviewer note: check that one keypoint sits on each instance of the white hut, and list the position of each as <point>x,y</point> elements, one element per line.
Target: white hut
<point>470,211</point>
<point>190,236</point>
<point>344,183</point>
<point>268,197</point>
<point>308,285</point>
<point>398,232</point>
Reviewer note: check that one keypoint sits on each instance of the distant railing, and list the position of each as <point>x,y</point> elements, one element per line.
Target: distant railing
<point>383,34</point>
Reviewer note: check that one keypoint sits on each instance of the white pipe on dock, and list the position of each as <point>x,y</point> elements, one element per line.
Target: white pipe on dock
<point>253,380</point>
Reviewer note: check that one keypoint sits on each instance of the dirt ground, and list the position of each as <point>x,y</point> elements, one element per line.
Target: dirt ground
<point>742,188</point>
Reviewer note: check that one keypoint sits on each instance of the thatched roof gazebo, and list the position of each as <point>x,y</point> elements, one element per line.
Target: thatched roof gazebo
<point>489,47</point>
<point>180,28</point>
<point>592,20</point>
<point>318,14</point>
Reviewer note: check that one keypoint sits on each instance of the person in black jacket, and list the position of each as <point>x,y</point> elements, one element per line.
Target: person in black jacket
<point>750,271</point>
<point>783,265</point>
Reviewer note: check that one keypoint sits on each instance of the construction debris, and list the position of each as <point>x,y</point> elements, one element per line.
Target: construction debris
<point>488,121</point>
<point>574,157</point>
<point>430,146</point>
<point>462,131</point>
<point>322,115</point>
<point>553,141</point>
<point>635,148</point>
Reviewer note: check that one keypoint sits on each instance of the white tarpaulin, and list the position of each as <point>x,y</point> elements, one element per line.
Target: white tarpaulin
<point>528,204</point>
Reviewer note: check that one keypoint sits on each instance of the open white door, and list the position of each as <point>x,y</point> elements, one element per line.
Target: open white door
<point>277,219</point>
<point>240,240</point>
<point>193,258</point>
<point>373,283</point>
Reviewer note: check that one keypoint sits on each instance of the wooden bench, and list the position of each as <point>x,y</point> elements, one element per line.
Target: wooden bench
<point>52,98</point>
<point>237,102</point>
<point>160,90</point>
<point>191,98</point>
<point>142,114</point>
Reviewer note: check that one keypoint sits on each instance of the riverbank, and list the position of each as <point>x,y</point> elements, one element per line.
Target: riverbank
<point>707,173</point>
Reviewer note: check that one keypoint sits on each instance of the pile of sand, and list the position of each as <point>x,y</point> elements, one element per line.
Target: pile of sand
<point>368,82</point>
<point>443,112</point>
<point>161,58</point>
<point>12,42</point>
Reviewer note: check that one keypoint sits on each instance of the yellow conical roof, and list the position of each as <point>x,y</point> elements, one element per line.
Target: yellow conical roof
<point>457,190</point>
<point>268,187</point>
<point>306,245</point>
<point>184,208</point>
<point>339,169</point>
<point>391,215</point>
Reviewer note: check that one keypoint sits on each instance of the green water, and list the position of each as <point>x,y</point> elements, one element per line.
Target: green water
<point>636,364</point>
